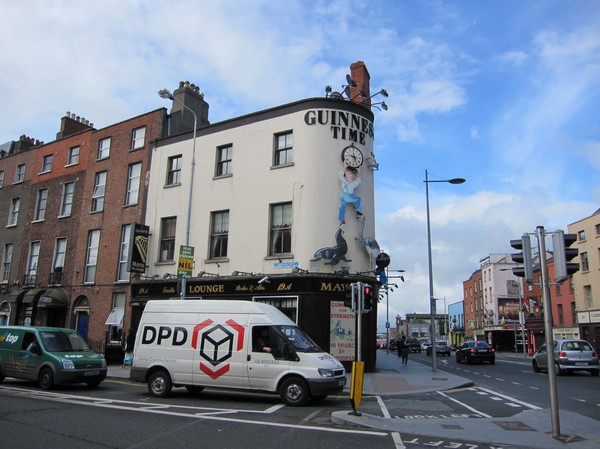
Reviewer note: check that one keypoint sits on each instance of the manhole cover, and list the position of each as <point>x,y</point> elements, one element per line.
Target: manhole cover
<point>512,425</point>
<point>452,426</point>
<point>568,438</point>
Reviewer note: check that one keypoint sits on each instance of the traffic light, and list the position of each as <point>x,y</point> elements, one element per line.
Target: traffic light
<point>524,258</point>
<point>351,297</point>
<point>367,302</point>
<point>562,254</point>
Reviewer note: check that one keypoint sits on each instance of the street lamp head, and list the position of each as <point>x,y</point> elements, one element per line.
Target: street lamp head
<point>165,93</point>
<point>456,180</point>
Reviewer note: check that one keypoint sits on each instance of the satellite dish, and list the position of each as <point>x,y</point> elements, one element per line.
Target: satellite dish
<point>336,95</point>
<point>350,81</point>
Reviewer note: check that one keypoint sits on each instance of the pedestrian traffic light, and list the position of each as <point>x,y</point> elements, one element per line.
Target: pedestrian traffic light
<point>524,258</point>
<point>351,297</point>
<point>563,254</point>
<point>367,299</point>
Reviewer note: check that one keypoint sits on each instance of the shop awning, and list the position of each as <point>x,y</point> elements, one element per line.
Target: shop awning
<point>32,295</point>
<point>116,317</point>
<point>15,296</point>
<point>53,297</point>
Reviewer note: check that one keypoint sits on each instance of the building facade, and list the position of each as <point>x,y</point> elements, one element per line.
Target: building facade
<point>586,281</point>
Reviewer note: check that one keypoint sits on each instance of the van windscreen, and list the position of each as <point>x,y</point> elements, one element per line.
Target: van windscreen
<point>58,341</point>
<point>298,339</point>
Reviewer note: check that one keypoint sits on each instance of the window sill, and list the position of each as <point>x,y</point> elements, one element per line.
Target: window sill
<point>275,167</point>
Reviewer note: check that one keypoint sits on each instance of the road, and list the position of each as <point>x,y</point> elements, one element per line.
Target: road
<point>514,377</point>
<point>121,414</point>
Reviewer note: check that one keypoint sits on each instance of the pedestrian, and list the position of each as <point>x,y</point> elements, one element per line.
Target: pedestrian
<point>128,348</point>
<point>403,350</point>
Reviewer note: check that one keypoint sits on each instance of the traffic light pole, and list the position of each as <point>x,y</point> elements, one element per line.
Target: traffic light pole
<point>545,284</point>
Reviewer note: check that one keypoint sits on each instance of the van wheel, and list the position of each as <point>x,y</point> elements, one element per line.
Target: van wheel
<point>159,384</point>
<point>94,384</point>
<point>46,379</point>
<point>1,376</point>
<point>593,372</point>
<point>294,392</point>
<point>194,389</point>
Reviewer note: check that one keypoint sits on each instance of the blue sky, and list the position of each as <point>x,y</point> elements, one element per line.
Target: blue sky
<point>503,93</point>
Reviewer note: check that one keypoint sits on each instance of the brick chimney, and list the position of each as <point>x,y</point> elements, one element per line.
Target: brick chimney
<point>72,124</point>
<point>362,92</point>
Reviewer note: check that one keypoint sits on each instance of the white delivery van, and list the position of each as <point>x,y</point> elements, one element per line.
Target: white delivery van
<point>230,344</point>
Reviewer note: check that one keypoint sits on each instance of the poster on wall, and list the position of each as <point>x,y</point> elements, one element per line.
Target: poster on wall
<point>342,332</point>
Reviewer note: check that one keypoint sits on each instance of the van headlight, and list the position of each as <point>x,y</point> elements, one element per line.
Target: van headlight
<point>326,372</point>
<point>67,364</point>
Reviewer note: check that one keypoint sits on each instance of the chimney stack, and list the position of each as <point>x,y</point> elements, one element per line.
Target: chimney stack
<point>360,75</point>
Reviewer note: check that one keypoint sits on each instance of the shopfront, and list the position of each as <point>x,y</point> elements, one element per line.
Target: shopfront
<point>314,301</point>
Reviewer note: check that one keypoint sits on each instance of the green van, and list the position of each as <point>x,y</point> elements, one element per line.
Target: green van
<point>49,355</point>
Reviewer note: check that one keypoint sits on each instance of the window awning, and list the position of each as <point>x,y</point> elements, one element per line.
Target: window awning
<point>15,296</point>
<point>31,295</point>
<point>54,297</point>
<point>116,317</point>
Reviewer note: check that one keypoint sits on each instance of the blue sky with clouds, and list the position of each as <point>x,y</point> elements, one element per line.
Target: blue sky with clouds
<point>503,93</point>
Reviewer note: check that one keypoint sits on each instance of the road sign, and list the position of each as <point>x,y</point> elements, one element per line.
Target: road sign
<point>186,261</point>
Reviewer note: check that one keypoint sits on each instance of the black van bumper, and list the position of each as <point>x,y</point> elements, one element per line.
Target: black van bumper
<point>80,376</point>
<point>326,386</point>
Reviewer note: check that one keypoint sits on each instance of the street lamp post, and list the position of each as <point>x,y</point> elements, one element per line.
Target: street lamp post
<point>432,300</point>
<point>166,94</point>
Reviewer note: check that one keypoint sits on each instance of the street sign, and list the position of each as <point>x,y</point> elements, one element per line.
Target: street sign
<point>186,261</point>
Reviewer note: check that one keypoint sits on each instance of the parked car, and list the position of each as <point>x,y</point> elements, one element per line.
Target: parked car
<point>413,345</point>
<point>475,351</point>
<point>569,355</point>
<point>441,347</point>
<point>425,345</point>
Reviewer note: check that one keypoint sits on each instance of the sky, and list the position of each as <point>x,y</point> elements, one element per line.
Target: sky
<point>503,93</point>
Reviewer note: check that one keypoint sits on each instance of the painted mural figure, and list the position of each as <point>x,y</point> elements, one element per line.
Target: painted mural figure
<point>350,181</point>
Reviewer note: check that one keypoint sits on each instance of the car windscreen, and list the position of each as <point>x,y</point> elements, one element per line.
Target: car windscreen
<point>59,341</point>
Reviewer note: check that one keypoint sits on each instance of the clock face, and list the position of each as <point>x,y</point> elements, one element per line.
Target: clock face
<point>352,156</point>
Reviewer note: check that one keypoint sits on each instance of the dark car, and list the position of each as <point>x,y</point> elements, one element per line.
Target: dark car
<point>413,345</point>
<point>569,355</point>
<point>441,347</point>
<point>475,351</point>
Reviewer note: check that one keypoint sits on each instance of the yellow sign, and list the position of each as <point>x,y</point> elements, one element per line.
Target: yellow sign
<point>186,262</point>
<point>356,386</point>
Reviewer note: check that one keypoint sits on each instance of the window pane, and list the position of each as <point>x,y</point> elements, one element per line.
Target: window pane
<point>138,138</point>
<point>67,199</point>
<point>133,183</point>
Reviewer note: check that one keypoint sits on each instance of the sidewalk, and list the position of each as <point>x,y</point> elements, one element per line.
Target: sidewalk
<point>528,429</point>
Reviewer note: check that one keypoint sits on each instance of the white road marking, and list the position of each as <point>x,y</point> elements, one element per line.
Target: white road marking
<point>468,407</point>
<point>135,407</point>
<point>395,435</point>
<point>511,399</point>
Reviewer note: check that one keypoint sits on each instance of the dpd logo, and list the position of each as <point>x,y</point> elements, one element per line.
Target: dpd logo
<point>217,344</point>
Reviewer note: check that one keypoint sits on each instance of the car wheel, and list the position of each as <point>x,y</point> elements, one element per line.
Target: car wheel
<point>492,362</point>
<point>457,358</point>
<point>558,370</point>
<point>294,392</point>
<point>46,379</point>
<point>160,384</point>
<point>535,366</point>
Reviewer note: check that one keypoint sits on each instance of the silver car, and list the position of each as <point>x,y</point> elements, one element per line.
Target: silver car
<point>569,355</point>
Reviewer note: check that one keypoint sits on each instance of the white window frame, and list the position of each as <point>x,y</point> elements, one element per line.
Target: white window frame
<point>60,252</point>
<point>66,203</point>
<point>99,191</point>
<point>73,157</point>
<point>1,178</point>
<point>91,256</point>
<point>174,170</point>
<point>134,175</point>
<point>13,214</point>
<point>33,258</point>
<point>122,271</point>
<point>20,173</point>
<point>138,138</point>
<point>41,204</point>
<point>47,163</point>
<point>104,148</point>
<point>7,260</point>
